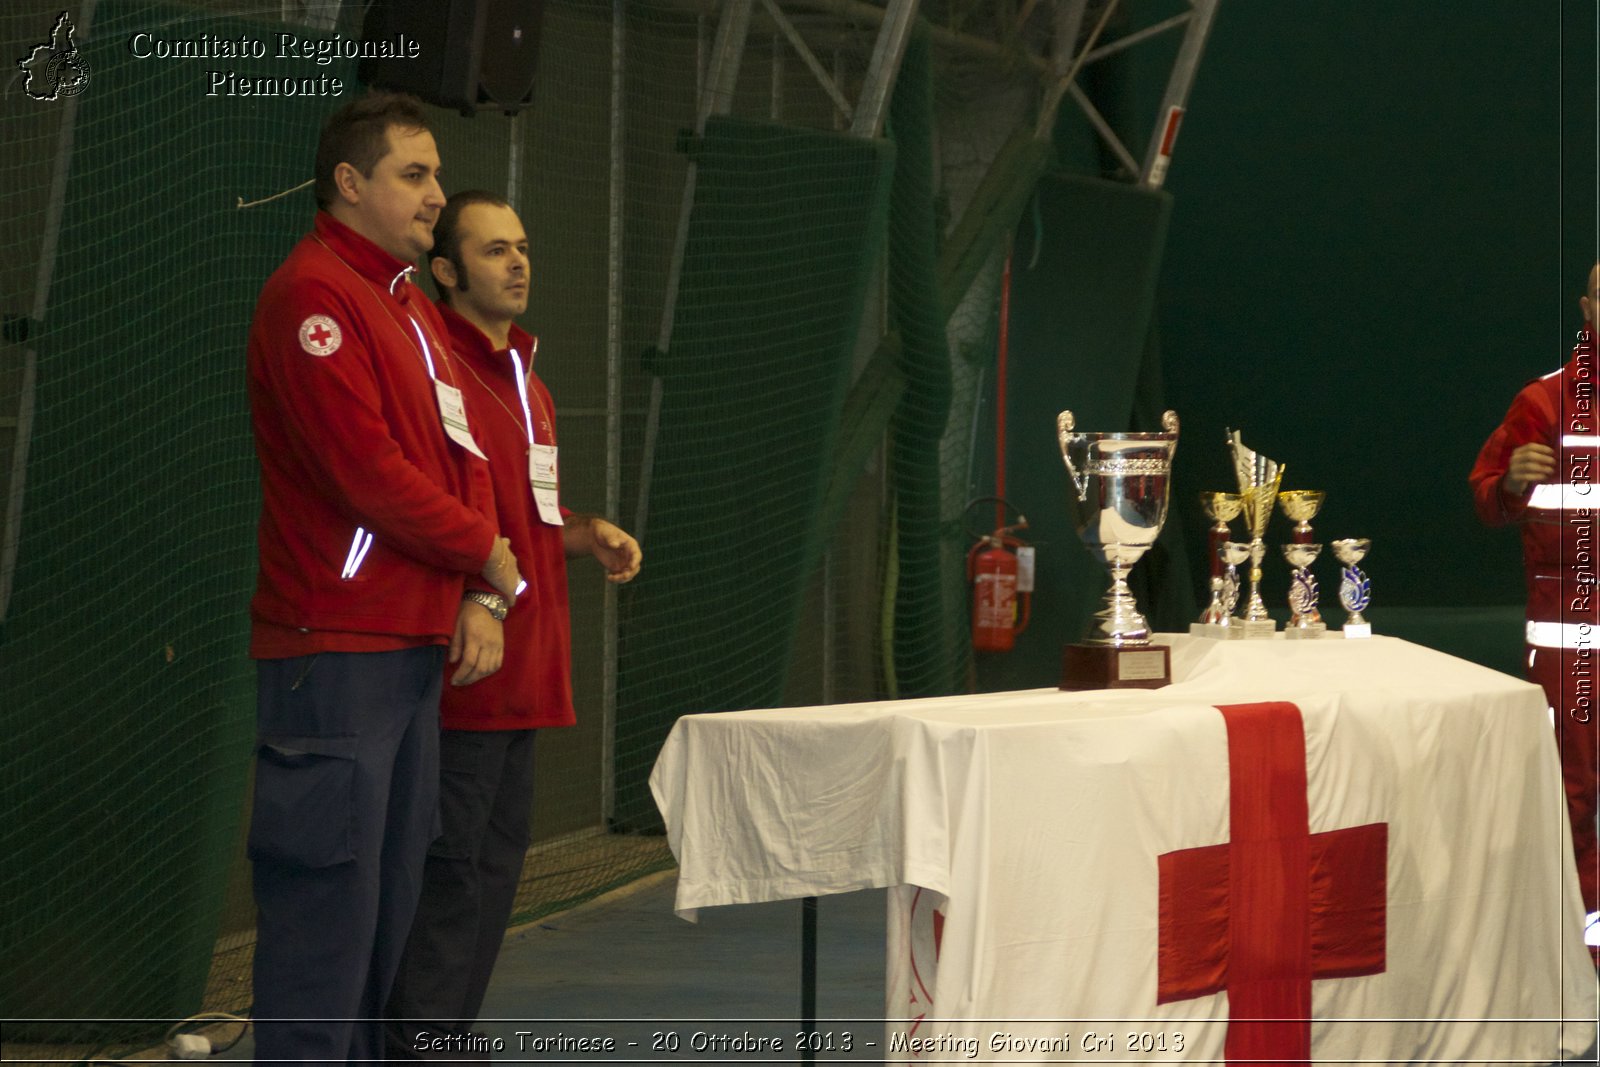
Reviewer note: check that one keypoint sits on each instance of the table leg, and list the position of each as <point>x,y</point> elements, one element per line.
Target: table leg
<point>808,975</point>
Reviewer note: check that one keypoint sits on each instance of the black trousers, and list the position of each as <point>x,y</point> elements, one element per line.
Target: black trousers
<point>469,885</point>
<point>345,804</point>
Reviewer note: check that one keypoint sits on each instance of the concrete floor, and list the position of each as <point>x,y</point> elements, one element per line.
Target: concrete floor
<point>625,968</point>
<point>711,986</point>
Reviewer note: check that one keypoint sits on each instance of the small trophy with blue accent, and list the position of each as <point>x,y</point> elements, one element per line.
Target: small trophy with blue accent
<point>1355,588</point>
<point>1305,620</point>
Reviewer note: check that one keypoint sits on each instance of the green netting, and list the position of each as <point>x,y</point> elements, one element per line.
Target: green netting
<point>929,655</point>
<point>785,231</point>
<point>125,692</point>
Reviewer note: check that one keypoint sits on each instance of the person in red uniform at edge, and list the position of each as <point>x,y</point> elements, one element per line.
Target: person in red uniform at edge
<point>480,266</point>
<point>1539,470</point>
<point>376,515</point>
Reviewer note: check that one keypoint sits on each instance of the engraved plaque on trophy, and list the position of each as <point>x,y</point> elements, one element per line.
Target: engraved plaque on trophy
<point>1118,498</point>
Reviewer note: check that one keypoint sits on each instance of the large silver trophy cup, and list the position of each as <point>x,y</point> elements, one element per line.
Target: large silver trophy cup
<point>1118,498</point>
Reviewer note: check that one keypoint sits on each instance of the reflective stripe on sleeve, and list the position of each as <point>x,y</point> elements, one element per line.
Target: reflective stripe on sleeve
<point>1562,634</point>
<point>1565,496</point>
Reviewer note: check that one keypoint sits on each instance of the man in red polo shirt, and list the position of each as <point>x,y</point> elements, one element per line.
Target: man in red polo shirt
<point>480,265</point>
<point>1540,469</point>
<point>377,510</point>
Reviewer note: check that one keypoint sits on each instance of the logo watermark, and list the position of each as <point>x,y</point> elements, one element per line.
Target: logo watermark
<point>55,68</point>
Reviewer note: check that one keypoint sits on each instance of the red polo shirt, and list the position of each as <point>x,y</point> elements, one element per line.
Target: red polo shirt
<point>533,689</point>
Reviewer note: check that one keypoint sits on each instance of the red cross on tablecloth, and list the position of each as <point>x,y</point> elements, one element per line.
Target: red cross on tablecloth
<point>921,1000</point>
<point>1276,905</point>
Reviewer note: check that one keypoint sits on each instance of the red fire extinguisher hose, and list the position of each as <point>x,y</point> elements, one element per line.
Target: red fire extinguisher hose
<point>1002,346</point>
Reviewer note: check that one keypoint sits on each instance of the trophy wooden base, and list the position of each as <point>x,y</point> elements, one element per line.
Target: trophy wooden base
<point>1106,667</point>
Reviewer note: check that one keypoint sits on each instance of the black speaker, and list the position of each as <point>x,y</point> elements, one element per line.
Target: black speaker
<point>472,55</point>
<point>510,56</point>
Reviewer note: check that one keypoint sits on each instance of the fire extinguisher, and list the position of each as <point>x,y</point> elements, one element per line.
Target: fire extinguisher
<point>1002,587</point>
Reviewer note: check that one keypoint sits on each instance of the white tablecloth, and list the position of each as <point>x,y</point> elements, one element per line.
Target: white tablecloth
<point>1032,823</point>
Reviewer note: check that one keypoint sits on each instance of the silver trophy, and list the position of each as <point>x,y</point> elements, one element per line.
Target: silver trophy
<point>1118,499</point>
<point>1355,588</point>
<point>1304,620</point>
<point>1233,553</point>
<point>1218,621</point>
<point>1259,478</point>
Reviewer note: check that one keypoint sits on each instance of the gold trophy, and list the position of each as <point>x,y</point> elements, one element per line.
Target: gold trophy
<point>1217,620</point>
<point>1259,478</point>
<point>1302,505</point>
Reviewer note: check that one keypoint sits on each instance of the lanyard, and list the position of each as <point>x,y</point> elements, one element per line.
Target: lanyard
<point>526,422</point>
<point>522,394</point>
<point>416,327</point>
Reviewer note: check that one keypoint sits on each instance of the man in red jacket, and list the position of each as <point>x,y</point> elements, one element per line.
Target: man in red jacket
<point>1539,470</point>
<point>377,509</point>
<point>480,265</point>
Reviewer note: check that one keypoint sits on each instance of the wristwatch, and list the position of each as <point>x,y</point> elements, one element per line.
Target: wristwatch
<point>494,602</point>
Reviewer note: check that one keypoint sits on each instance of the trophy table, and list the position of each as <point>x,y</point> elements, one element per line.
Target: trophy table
<point>1118,498</point>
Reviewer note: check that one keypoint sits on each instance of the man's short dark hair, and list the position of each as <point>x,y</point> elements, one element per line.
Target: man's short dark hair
<point>447,238</point>
<point>357,134</point>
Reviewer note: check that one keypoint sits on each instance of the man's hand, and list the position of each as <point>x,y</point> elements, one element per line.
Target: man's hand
<point>501,570</point>
<point>1530,464</point>
<point>616,550</point>
<point>478,644</point>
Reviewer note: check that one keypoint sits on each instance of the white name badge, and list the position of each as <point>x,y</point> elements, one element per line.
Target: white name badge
<point>542,476</point>
<point>453,413</point>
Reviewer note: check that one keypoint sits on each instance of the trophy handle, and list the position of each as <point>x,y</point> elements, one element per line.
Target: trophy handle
<point>1064,425</point>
